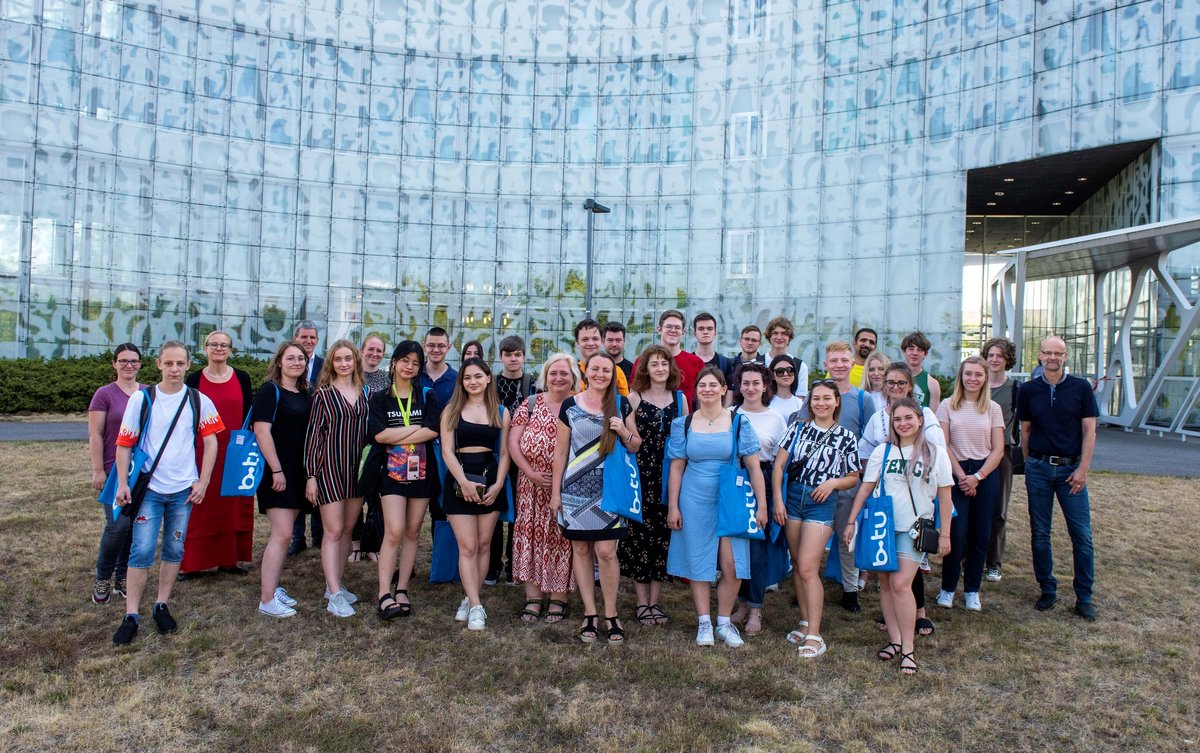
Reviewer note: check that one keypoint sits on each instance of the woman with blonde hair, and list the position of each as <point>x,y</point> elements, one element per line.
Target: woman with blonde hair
<point>337,431</point>
<point>872,376</point>
<point>475,452</point>
<point>973,425</point>
<point>541,555</point>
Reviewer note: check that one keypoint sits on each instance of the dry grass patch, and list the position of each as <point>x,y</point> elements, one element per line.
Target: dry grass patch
<point>232,680</point>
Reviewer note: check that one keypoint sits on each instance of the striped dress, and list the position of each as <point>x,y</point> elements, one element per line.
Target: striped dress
<point>333,445</point>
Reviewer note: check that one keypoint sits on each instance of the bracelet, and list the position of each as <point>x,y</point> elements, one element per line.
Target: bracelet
<point>276,471</point>
<point>629,437</point>
<point>977,476</point>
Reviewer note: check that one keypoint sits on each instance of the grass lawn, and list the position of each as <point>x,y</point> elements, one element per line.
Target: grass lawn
<point>1007,679</point>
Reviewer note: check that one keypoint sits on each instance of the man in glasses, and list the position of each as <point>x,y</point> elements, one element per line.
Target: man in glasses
<point>1058,413</point>
<point>865,342</point>
<point>438,376</point>
<point>670,336</point>
<point>749,343</point>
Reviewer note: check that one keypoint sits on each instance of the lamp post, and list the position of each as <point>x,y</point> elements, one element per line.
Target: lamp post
<point>593,209</point>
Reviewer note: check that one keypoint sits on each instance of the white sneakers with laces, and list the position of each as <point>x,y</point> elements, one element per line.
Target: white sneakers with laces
<point>282,597</point>
<point>704,634</point>
<point>729,633</point>
<point>945,599</point>
<point>972,599</point>
<point>464,611</point>
<point>338,606</point>
<point>476,618</point>
<point>348,597</point>
<point>276,608</point>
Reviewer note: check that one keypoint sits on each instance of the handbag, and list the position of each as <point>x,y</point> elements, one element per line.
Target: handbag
<point>443,560</point>
<point>924,530</point>
<point>137,460</point>
<point>137,492</point>
<point>1016,456</point>
<point>737,506</point>
<point>621,493</point>
<point>244,463</point>
<point>372,532</point>
<point>875,541</point>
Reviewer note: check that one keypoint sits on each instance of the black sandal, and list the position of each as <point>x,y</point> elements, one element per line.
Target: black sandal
<point>615,633</point>
<point>908,670</point>
<point>925,627</point>
<point>645,614</point>
<point>396,579</point>
<point>660,617</point>
<point>530,616</point>
<point>888,652</point>
<point>405,606</point>
<point>389,613</point>
<point>588,632</point>
<point>559,616</point>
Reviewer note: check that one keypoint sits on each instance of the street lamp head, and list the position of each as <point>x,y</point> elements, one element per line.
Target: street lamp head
<point>591,206</point>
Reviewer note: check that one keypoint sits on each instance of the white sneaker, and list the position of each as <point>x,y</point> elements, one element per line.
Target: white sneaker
<point>338,607</point>
<point>282,597</point>
<point>972,599</point>
<point>464,610</point>
<point>276,608</point>
<point>476,618</point>
<point>945,599</point>
<point>704,635</point>
<point>993,575</point>
<point>729,633</point>
<point>348,597</point>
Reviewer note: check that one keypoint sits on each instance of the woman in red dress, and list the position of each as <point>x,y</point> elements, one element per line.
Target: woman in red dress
<point>221,530</point>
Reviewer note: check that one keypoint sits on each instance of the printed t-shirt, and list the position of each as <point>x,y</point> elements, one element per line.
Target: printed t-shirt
<point>923,484</point>
<point>176,470</point>
<point>817,455</point>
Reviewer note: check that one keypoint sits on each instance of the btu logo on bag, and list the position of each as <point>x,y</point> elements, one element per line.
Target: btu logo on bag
<point>635,483</point>
<point>250,480</point>
<point>751,506</point>
<point>879,534</point>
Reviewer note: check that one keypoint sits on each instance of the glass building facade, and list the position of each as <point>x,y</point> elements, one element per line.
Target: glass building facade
<point>387,165</point>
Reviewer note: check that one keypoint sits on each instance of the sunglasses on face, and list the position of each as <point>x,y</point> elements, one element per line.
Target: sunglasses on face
<point>785,372</point>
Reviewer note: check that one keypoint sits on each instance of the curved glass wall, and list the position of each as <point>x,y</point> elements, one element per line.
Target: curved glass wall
<point>383,166</point>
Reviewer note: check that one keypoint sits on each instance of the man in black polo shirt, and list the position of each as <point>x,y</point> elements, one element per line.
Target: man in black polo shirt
<point>1058,413</point>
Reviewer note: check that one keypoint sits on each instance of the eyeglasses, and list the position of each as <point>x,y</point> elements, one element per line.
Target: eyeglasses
<point>1055,353</point>
<point>672,328</point>
<point>128,362</point>
<point>436,346</point>
<point>896,383</point>
<point>219,346</point>
<point>784,372</point>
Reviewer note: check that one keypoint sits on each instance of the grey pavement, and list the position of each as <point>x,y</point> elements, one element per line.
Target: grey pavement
<point>1116,449</point>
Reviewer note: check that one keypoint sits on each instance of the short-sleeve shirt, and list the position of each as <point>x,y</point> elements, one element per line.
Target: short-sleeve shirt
<point>443,386</point>
<point>770,428</point>
<point>176,469</point>
<point>287,413</point>
<point>747,440</point>
<point>570,407</point>
<point>1056,413</point>
<point>1006,397</point>
<point>816,455</point>
<point>970,430</point>
<point>112,400</point>
<point>923,485</point>
<point>385,413</point>
<point>510,392</point>
<point>690,366</point>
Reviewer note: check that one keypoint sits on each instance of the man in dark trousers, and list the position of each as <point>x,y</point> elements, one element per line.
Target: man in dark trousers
<point>1058,413</point>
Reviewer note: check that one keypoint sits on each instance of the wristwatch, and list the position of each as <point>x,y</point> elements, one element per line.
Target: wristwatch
<point>977,476</point>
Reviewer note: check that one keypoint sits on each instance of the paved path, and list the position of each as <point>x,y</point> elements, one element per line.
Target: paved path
<point>1116,449</point>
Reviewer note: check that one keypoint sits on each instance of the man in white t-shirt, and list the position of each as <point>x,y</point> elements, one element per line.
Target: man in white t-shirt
<point>176,415</point>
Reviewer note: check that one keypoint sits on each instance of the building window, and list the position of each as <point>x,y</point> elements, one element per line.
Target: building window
<point>747,18</point>
<point>745,135</point>
<point>742,258</point>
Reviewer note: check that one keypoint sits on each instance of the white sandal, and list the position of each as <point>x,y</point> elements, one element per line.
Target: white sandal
<point>798,635</point>
<point>812,652</point>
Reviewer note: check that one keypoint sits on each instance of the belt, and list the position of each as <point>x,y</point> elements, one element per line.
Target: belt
<point>1056,459</point>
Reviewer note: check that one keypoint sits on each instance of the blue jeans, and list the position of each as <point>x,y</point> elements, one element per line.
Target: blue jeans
<point>166,512</point>
<point>113,555</point>
<point>971,531</point>
<point>1043,482</point>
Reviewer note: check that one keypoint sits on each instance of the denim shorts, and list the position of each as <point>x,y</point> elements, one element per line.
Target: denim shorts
<point>802,507</point>
<point>168,513</point>
<point>907,550</point>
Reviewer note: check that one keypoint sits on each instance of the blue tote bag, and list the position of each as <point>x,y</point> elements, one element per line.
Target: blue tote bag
<point>875,544</point>
<point>666,474</point>
<point>443,560</point>
<point>736,503</point>
<point>138,459</point>
<point>244,464</point>
<point>622,491</point>
<point>508,514</point>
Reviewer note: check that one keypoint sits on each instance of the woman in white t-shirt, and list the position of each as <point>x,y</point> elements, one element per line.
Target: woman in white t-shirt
<point>973,425</point>
<point>917,471</point>
<point>785,402</point>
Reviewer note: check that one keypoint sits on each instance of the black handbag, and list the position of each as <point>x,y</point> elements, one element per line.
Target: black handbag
<point>372,532</point>
<point>371,469</point>
<point>924,532</point>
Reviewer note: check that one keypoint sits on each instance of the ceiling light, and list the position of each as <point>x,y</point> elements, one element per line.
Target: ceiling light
<point>976,222</point>
<point>1069,193</point>
<point>991,203</point>
<point>999,193</point>
<point>1056,203</point>
<point>1035,222</point>
<point>1083,180</point>
<point>1009,180</point>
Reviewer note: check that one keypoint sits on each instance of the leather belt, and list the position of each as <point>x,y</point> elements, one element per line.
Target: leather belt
<point>1056,459</point>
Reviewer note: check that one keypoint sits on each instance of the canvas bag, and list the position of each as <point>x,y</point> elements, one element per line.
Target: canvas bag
<point>875,542</point>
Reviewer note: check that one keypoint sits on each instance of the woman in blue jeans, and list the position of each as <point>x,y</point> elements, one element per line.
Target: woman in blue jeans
<point>820,457</point>
<point>973,425</point>
<point>768,560</point>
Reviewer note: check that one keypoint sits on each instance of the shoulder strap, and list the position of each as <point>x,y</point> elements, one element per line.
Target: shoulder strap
<point>862,420</point>
<point>144,416</point>
<point>167,438</point>
<point>278,397</point>
<point>678,403</point>
<point>526,383</point>
<point>887,447</point>
<point>194,401</point>
<point>529,401</point>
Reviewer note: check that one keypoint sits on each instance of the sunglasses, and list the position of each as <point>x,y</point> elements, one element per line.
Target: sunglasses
<point>784,372</point>
<point>824,383</point>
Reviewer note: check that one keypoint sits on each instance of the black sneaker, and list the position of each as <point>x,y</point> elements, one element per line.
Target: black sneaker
<point>163,619</point>
<point>1046,602</point>
<point>850,602</point>
<point>1085,610</point>
<point>127,632</point>
<point>491,578</point>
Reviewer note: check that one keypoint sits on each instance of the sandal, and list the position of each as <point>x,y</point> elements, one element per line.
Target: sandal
<point>588,632</point>
<point>888,652</point>
<point>392,612</point>
<point>925,626</point>
<point>356,555</point>
<point>615,633</point>
<point>645,615</point>
<point>812,652</point>
<point>528,614</point>
<point>908,669</point>
<point>660,617</point>
<point>799,635</point>
<point>405,606</point>
<point>753,623</point>
<point>557,616</point>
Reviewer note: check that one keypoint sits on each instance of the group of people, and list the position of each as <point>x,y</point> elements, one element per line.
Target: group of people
<point>517,466</point>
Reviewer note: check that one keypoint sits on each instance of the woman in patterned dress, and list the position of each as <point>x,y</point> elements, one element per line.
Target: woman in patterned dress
<point>589,426</point>
<point>337,431</point>
<point>541,556</point>
<point>656,402</point>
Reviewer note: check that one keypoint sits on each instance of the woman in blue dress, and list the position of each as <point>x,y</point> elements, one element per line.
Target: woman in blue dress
<point>699,446</point>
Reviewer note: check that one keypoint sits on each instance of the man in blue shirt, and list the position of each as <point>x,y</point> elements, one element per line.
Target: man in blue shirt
<point>1058,413</point>
<point>438,376</point>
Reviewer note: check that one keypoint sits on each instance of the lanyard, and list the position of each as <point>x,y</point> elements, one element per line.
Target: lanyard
<point>405,411</point>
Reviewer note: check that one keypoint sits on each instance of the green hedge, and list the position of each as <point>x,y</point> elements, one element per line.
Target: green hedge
<point>65,385</point>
